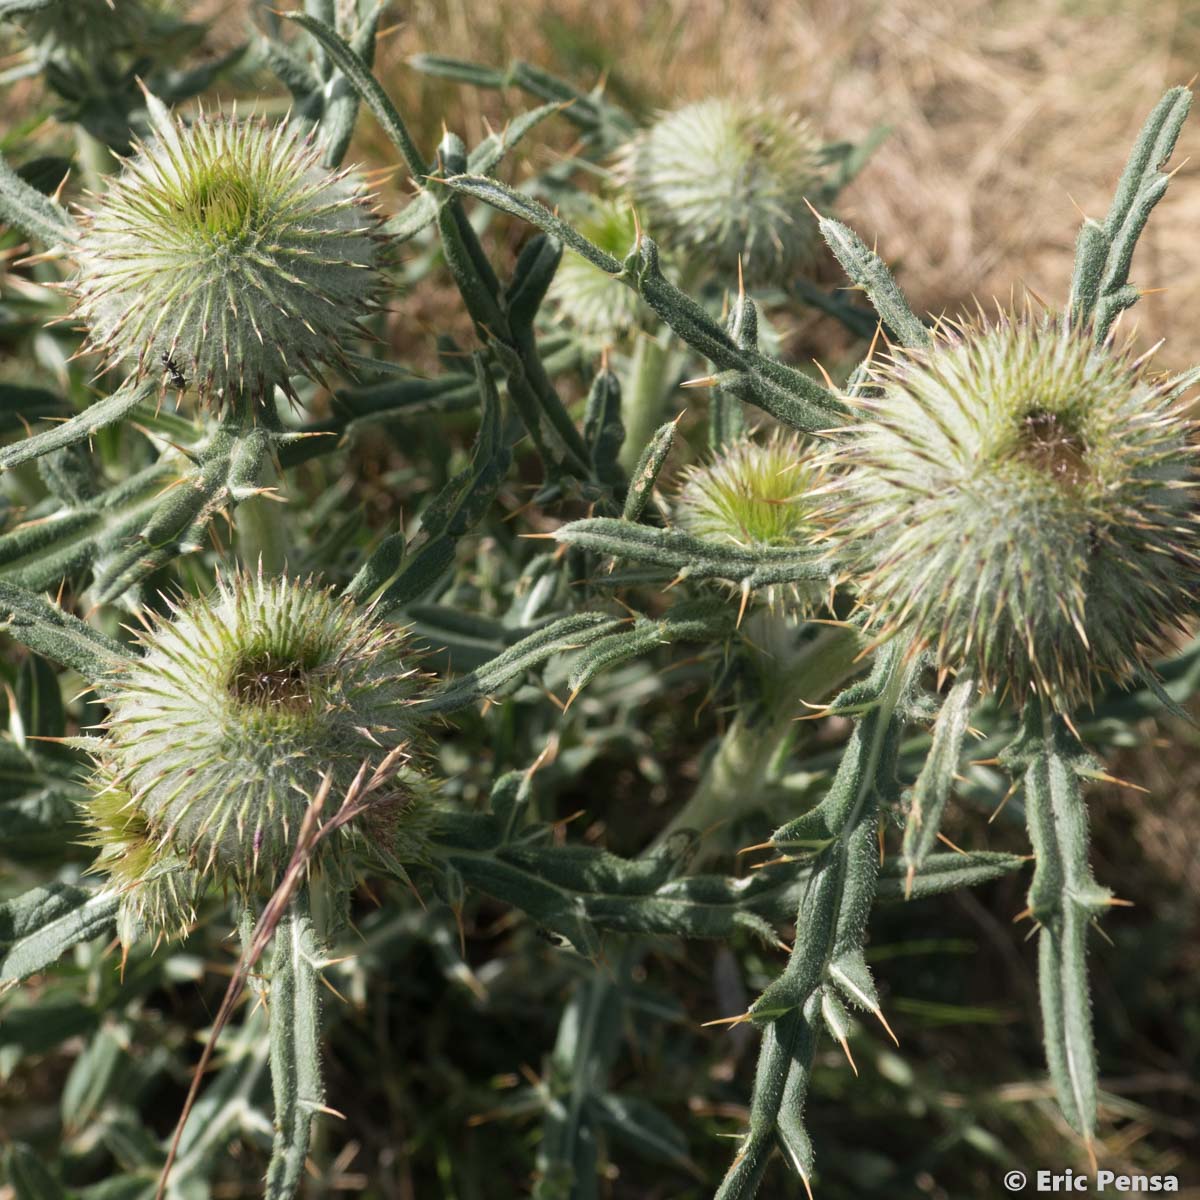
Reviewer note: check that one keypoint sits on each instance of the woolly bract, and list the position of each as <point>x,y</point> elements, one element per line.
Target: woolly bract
<point>1021,501</point>
<point>592,301</point>
<point>721,180</point>
<point>222,731</point>
<point>225,258</point>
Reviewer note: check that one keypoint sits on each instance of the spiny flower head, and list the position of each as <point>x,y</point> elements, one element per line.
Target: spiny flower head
<point>596,304</point>
<point>225,258</point>
<point>755,494</point>
<point>723,180</point>
<point>240,705</point>
<point>1020,500</point>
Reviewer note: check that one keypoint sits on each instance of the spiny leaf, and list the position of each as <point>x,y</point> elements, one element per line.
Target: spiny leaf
<point>693,557</point>
<point>96,417</point>
<point>46,628</point>
<point>36,216</point>
<point>1064,899</point>
<point>933,785</point>
<point>1104,252</point>
<point>367,86</point>
<point>565,634</point>
<point>645,473</point>
<point>866,269</point>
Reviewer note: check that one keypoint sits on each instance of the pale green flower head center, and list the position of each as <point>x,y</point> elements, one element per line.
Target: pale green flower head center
<point>223,205</point>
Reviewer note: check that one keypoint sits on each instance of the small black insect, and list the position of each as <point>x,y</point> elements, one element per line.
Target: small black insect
<point>174,373</point>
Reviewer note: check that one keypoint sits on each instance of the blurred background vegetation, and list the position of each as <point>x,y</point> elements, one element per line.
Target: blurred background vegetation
<point>1006,118</point>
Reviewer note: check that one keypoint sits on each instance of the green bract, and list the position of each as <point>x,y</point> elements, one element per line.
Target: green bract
<point>224,729</point>
<point>225,258</point>
<point>1021,499</point>
<point>723,180</point>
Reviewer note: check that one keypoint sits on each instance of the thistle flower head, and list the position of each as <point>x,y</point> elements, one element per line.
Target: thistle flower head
<point>1021,501</point>
<point>225,258</point>
<point>240,705</point>
<point>597,305</point>
<point>725,180</point>
<point>755,494</point>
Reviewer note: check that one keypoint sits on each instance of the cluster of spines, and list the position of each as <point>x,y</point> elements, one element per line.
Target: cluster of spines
<point>224,258</point>
<point>1020,499</point>
<point>225,727</point>
<point>726,182</point>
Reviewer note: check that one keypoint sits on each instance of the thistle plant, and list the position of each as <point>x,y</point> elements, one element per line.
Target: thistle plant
<point>239,707</point>
<point>226,259</point>
<point>1044,484</point>
<point>726,182</point>
<point>346,746</point>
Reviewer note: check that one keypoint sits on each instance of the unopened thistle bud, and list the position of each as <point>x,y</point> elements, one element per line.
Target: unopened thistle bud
<point>240,706</point>
<point>755,494</point>
<point>594,303</point>
<point>1022,502</point>
<point>723,180</point>
<point>225,258</point>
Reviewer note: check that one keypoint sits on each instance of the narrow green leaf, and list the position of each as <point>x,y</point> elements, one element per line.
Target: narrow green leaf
<point>866,269</point>
<point>693,557</point>
<point>645,473</point>
<point>1104,253</point>
<point>367,86</point>
<point>26,209</point>
<point>932,788</point>
<point>27,1175</point>
<point>1064,899</point>
<point>561,636</point>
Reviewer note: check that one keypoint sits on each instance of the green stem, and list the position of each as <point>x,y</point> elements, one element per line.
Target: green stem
<point>94,157</point>
<point>262,532</point>
<point>643,396</point>
<point>734,782</point>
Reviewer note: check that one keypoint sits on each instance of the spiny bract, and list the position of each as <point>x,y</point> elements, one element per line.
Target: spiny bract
<point>225,257</point>
<point>1021,500</point>
<point>723,180</point>
<point>222,731</point>
<point>158,890</point>
<point>755,494</point>
<point>593,302</point>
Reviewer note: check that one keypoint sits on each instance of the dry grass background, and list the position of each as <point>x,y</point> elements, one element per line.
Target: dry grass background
<point>1004,115</point>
